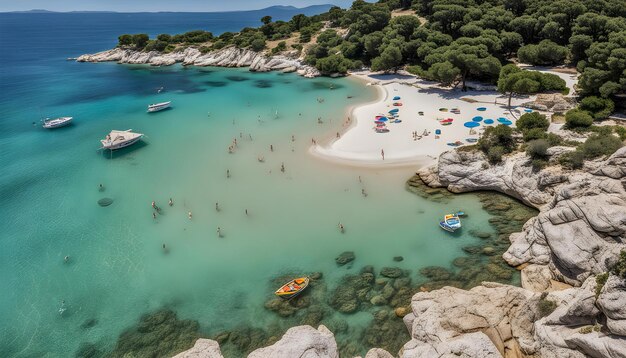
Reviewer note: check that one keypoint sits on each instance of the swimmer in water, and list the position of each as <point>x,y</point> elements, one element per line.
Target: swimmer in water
<point>190,215</point>
<point>101,187</point>
<point>271,147</point>
<point>153,205</point>
<point>217,207</point>
<point>66,259</point>
<point>154,215</point>
<point>364,193</point>
<point>246,212</point>
<point>341,228</point>
<point>293,138</point>
<point>219,232</point>
<point>282,167</point>
<point>227,173</point>
<point>171,202</point>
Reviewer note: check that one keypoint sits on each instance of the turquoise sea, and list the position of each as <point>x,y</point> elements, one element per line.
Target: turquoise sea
<point>117,269</point>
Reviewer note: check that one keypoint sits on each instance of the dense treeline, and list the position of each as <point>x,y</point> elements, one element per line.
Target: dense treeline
<point>449,41</point>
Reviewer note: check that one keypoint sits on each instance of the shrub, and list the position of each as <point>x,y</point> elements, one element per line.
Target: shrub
<point>257,44</point>
<point>545,307</point>
<point>554,139</point>
<point>498,136</point>
<point>532,120</point>
<point>620,267</point>
<point>599,108</point>
<point>598,145</point>
<point>600,281</point>
<point>538,164</point>
<point>333,64</point>
<point>572,160</point>
<point>281,46</point>
<point>535,133</point>
<point>494,154</point>
<point>538,148</point>
<point>140,40</point>
<point>578,119</point>
<point>621,132</point>
<point>125,40</point>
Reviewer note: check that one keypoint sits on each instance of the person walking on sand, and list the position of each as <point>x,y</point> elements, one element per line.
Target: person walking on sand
<point>293,138</point>
<point>382,153</point>
<point>337,134</point>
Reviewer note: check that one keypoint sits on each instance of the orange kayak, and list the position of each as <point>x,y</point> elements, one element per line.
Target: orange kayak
<point>292,288</point>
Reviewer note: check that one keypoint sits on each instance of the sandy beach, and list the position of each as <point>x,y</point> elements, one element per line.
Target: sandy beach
<point>361,145</point>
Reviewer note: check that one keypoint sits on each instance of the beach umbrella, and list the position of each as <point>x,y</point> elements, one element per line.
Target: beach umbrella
<point>477,119</point>
<point>443,109</point>
<point>382,119</point>
<point>488,121</point>
<point>528,110</point>
<point>502,120</point>
<point>396,98</point>
<point>482,109</point>
<point>394,110</point>
<point>471,124</point>
<point>507,123</point>
<point>437,131</point>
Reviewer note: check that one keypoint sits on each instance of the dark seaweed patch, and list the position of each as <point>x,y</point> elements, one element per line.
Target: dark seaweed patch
<point>215,83</point>
<point>263,84</point>
<point>237,78</point>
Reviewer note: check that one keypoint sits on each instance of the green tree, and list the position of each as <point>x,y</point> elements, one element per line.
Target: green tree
<point>125,40</point>
<point>333,64</point>
<point>545,53</point>
<point>389,59</point>
<point>140,40</point>
<point>470,59</point>
<point>498,136</point>
<point>266,20</point>
<point>513,80</point>
<point>164,37</point>
<point>444,72</point>
<point>599,108</point>
<point>258,44</point>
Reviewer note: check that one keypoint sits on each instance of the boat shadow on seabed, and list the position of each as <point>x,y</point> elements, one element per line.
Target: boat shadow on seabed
<point>118,153</point>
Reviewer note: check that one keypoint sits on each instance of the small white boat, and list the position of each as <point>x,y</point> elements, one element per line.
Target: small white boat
<point>159,106</point>
<point>120,139</point>
<point>451,222</point>
<point>56,122</point>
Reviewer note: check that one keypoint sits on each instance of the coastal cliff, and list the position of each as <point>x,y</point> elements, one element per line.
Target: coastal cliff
<point>226,57</point>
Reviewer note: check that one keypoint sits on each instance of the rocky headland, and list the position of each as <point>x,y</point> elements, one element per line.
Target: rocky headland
<point>226,57</point>
<point>569,305</point>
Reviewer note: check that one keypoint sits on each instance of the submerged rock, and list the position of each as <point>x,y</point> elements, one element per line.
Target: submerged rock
<point>159,333</point>
<point>105,202</point>
<point>398,258</point>
<point>391,272</point>
<point>204,348</point>
<point>344,258</point>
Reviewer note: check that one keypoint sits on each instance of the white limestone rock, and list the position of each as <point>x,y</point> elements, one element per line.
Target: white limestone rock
<point>612,302</point>
<point>204,348</point>
<point>303,342</point>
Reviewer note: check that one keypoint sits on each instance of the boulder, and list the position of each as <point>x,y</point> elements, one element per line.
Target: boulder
<point>344,258</point>
<point>301,341</point>
<point>204,348</point>
<point>391,272</point>
<point>612,302</point>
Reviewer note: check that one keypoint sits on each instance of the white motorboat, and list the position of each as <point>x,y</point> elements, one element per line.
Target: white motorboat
<point>120,139</point>
<point>56,122</point>
<point>159,106</point>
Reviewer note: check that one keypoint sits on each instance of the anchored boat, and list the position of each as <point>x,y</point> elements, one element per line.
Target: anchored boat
<point>450,223</point>
<point>56,122</point>
<point>120,139</point>
<point>158,106</point>
<point>292,288</point>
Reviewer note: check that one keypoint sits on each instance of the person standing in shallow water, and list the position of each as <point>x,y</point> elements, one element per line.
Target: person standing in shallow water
<point>382,153</point>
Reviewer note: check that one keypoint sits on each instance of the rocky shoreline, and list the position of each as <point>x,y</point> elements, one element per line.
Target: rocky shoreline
<point>226,57</point>
<point>562,310</point>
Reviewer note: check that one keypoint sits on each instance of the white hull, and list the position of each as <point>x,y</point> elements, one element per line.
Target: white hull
<point>158,107</point>
<point>120,139</point>
<point>122,144</point>
<point>57,122</point>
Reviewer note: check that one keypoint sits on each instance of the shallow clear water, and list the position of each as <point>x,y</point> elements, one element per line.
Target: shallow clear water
<point>118,270</point>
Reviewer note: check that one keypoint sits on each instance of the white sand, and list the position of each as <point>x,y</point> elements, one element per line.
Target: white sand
<point>361,145</point>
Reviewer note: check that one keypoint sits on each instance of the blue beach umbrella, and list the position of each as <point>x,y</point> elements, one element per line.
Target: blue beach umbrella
<point>507,123</point>
<point>528,110</point>
<point>382,119</point>
<point>396,98</point>
<point>394,110</point>
<point>477,119</point>
<point>502,120</point>
<point>482,109</point>
<point>488,121</point>
<point>471,124</point>
<point>437,131</point>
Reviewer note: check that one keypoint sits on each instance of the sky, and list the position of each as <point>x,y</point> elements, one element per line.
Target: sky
<point>156,5</point>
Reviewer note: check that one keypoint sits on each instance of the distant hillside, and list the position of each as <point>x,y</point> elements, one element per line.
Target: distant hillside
<point>278,10</point>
